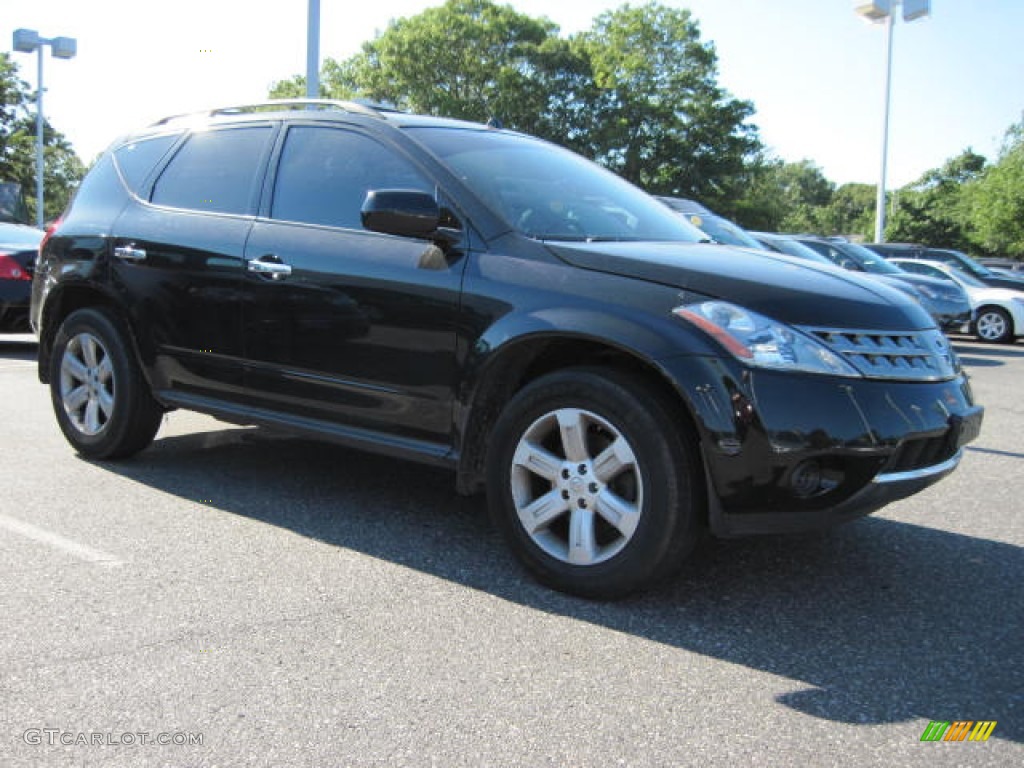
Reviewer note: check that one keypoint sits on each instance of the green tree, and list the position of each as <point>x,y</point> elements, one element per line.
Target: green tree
<point>783,196</point>
<point>662,120</point>
<point>637,92</point>
<point>935,210</point>
<point>996,199</point>
<point>851,211</point>
<point>469,59</point>
<point>62,169</point>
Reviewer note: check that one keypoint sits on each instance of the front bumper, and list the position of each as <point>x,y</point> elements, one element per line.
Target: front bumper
<point>791,452</point>
<point>949,314</point>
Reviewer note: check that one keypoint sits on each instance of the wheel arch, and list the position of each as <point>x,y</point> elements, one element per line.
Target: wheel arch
<point>1013,327</point>
<point>504,370</point>
<point>60,303</point>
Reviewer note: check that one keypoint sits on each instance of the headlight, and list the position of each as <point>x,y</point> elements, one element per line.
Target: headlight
<point>762,342</point>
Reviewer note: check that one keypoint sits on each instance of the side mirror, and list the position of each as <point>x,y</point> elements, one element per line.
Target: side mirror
<point>405,212</point>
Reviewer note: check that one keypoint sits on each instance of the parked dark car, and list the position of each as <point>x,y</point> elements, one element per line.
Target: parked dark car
<point>1014,266</point>
<point>960,260</point>
<point>490,303</point>
<point>788,245</point>
<point>716,227</point>
<point>945,301</point>
<point>13,209</point>
<point>19,246</point>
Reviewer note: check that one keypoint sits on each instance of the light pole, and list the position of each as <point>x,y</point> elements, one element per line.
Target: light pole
<point>313,51</point>
<point>881,12</point>
<point>29,41</point>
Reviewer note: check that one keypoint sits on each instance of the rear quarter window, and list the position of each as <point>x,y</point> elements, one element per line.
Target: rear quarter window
<point>136,160</point>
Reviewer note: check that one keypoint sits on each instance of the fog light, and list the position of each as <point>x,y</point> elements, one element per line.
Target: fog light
<point>806,479</point>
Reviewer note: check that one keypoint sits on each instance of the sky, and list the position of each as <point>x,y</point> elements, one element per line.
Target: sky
<point>812,68</point>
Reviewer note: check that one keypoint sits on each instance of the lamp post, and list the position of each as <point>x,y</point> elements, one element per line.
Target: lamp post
<point>313,51</point>
<point>29,41</point>
<point>881,12</point>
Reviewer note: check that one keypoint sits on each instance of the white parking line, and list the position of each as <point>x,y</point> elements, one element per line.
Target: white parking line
<point>81,551</point>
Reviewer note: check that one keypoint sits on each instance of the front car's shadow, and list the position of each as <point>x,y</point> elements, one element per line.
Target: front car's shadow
<point>881,621</point>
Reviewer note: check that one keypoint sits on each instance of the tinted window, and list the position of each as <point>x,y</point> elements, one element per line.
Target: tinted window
<point>917,268</point>
<point>214,171</point>
<point>723,231</point>
<point>868,259</point>
<point>801,251</point>
<point>325,173</point>
<point>959,260</point>
<point>550,193</point>
<point>137,159</point>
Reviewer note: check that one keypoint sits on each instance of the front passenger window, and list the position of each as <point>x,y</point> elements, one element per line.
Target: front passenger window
<point>324,175</point>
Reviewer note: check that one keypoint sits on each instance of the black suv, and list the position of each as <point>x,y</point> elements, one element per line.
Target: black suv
<point>488,302</point>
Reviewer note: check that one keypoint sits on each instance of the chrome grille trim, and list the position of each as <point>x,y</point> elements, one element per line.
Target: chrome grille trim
<point>913,355</point>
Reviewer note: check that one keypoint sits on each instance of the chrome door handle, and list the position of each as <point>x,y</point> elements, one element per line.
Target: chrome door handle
<point>275,270</point>
<point>129,252</point>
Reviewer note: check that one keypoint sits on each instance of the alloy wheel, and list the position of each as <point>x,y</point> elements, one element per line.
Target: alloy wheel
<point>87,384</point>
<point>577,486</point>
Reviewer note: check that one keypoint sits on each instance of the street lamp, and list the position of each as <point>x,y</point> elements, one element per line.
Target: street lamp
<point>29,41</point>
<point>313,51</point>
<point>881,12</point>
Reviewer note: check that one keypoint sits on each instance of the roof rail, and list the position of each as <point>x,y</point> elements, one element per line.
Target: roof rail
<point>278,105</point>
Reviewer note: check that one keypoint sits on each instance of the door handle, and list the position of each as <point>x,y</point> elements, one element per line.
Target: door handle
<point>129,252</point>
<point>270,266</point>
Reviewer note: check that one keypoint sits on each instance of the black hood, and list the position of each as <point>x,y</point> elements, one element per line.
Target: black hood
<point>787,289</point>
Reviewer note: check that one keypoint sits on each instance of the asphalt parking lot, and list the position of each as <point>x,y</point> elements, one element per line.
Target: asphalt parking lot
<point>290,603</point>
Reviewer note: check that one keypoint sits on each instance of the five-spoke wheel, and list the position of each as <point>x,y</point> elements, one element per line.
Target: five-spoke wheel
<point>593,479</point>
<point>87,384</point>
<point>576,486</point>
<point>102,401</point>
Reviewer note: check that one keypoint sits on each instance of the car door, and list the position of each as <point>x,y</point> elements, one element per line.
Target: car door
<point>182,249</point>
<point>342,324</point>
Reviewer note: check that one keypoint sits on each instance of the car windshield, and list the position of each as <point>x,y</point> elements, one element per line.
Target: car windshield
<point>943,270</point>
<point>550,193</point>
<point>723,231</point>
<point>966,279</point>
<point>961,262</point>
<point>868,259</point>
<point>799,250</point>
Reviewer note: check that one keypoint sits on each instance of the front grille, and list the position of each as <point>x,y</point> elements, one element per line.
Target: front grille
<point>921,453</point>
<point>915,355</point>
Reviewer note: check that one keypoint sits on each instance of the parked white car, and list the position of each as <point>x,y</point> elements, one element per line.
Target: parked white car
<point>998,312</point>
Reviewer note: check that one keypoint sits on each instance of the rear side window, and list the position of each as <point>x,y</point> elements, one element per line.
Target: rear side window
<point>136,160</point>
<point>325,173</point>
<point>215,171</point>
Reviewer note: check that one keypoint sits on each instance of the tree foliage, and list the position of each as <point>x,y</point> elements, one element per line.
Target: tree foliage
<point>996,199</point>
<point>933,209</point>
<point>62,170</point>
<point>637,92</point>
<point>664,123</point>
<point>783,197</point>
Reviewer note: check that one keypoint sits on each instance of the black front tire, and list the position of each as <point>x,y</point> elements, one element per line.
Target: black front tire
<point>100,397</point>
<point>595,482</point>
